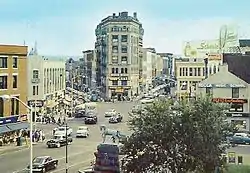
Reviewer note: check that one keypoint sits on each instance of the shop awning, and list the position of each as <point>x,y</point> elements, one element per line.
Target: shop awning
<point>4,129</point>
<point>18,126</point>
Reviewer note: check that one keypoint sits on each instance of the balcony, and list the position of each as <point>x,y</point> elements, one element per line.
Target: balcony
<point>35,80</point>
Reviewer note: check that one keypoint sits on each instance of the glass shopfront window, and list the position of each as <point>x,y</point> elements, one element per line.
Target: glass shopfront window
<point>241,124</point>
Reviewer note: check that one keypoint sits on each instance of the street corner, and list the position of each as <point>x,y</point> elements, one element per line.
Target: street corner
<point>11,149</point>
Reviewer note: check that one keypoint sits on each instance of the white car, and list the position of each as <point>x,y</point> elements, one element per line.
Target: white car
<point>110,113</point>
<point>82,131</point>
<point>61,131</point>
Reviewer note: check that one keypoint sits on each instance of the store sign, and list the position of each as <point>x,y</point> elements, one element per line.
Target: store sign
<point>36,103</point>
<point>238,114</point>
<point>226,100</point>
<point>201,48</point>
<point>229,37</point>
<point>214,57</point>
<point>201,85</point>
<point>13,119</point>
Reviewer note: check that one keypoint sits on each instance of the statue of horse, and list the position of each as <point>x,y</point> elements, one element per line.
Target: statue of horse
<point>109,132</point>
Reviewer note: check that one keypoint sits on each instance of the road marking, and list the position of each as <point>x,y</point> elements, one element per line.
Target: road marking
<point>73,165</point>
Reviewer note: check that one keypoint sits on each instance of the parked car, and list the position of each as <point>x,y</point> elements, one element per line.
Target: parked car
<point>91,118</point>
<point>59,140</point>
<point>239,138</point>
<point>115,118</point>
<point>79,114</point>
<point>110,113</point>
<point>43,164</point>
<point>61,130</point>
<point>82,131</point>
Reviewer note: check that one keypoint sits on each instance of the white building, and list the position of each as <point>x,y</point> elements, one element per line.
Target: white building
<point>147,69</point>
<point>46,83</point>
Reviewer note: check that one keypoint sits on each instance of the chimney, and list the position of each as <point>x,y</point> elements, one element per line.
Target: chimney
<point>135,15</point>
<point>113,14</point>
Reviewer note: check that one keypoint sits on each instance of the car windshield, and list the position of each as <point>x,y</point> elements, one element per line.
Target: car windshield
<point>57,137</point>
<point>90,114</point>
<point>61,129</point>
<point>111,110</point>
<point>38,160</point>
<point>82,128</point>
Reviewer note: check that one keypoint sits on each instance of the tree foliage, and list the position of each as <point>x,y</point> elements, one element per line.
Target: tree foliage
<point>178,138</point>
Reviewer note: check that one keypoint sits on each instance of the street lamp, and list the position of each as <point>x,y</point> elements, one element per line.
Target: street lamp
<point>8,97</point>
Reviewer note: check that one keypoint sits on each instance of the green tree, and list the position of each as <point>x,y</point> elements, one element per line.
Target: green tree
<point>179,138</point>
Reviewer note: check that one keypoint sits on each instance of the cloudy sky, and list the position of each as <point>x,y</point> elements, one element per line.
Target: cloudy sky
<point>66,27</point>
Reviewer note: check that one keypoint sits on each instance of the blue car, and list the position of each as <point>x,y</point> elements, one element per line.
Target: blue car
<point>240,138</point>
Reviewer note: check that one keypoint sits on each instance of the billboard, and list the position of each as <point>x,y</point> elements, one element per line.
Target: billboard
<point>228,36</point>
<point>200,49</point>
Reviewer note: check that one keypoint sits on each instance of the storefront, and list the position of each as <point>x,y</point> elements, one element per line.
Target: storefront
<point>240,120</point>
<point>119,92</point>
<point>37,106</point>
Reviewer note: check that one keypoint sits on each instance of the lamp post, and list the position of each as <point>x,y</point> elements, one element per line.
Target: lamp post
<point>8,97</point>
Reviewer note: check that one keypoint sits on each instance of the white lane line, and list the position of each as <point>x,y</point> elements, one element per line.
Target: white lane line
<point>73,165</point>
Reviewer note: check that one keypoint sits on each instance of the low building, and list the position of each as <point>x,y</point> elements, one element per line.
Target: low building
<point>13,62</point>
<point>231,85</point>
<point>46,83</point>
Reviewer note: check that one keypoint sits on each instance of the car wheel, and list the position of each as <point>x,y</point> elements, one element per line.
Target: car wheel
<point>43,170</point>
<point>58,145</point>
<point>55,165</point>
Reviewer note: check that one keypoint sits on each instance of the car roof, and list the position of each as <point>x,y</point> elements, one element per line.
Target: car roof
<point>82,127</point>
<point>43,157</point>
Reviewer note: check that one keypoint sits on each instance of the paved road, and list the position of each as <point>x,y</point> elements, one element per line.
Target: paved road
<point>80,151</point>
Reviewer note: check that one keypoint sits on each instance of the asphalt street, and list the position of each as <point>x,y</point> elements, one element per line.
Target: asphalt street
<point>80,152</point>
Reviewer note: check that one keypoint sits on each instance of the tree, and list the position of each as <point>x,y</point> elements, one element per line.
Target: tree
<point>178,138</point>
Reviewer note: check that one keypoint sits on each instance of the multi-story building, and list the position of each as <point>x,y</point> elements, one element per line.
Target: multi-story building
<point>146,79</point>
<point>13,81</point>
<point>189,72</point>
<point>90,64</point>
<point>168,64</point>
<point>46,83</point>
<point>118,50</point>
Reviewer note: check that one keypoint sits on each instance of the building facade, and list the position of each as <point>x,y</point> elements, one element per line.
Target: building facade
<point>13,79</point>
<point>189,72</point>
<point>118,46</point>
<point>90,65</point>
<point>146,79</point>
<point>225,87</point>
<point>46,83</point>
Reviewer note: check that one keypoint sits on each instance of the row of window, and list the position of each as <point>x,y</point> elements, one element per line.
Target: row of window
<point>235,92</point>
<point>14,106</point>
<point>116,83</point>
<point>124,38</point>
<point>4,82</point>
<point>184,85</point>
<point>115,59</point>
<point>116,70</point>
<point>4,62</point>
<point>125,29</point>
<point>35,90</point>
<point>197,71</point>
<point>124,49</point>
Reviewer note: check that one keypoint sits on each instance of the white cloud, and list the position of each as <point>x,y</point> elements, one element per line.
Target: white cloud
<point>69,36</point>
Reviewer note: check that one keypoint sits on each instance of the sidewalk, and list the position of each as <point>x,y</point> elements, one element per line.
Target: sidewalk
<point>11,148</point>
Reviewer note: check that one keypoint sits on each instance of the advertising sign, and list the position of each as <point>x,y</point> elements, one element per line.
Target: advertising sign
<point>201,48</point>
<point>228,37</point>
<point>207,85</point>
<point>226,100</point>
<point>13,119</point>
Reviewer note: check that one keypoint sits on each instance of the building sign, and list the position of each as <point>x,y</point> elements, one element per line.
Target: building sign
<point>227,100</point>
<point>228,37</point>
<point>13,119</point>
<point>37,103</point>
<point>114,75</point>
<point>214,57</point>
<point>238,114</point>
<point>201,48</point>
<point>201,85</point>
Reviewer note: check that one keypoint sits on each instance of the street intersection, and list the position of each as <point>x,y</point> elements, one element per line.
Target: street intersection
<point>80,152</point>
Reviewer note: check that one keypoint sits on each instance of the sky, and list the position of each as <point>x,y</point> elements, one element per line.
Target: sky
<point>67,27</point>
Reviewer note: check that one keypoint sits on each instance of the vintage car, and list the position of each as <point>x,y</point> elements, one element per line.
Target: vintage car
<point>116,118</point>
<point>61,130</point>
<point>82,131</point>
<point>58,141</point>
<point>239,138</point>
<point>91,118</point>
<point>43,164</point>
<point>110,113</point>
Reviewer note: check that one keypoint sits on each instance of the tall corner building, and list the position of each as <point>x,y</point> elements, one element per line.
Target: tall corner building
<point>118,46</point>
